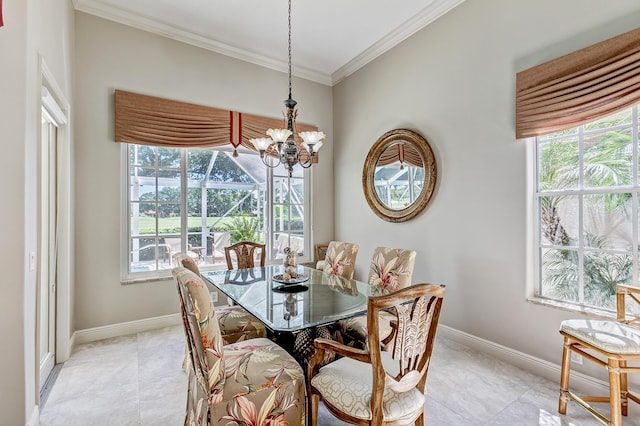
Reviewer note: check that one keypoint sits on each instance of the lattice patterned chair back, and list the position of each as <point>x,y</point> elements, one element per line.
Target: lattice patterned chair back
<point>248,382</point>
<point>340,259</point>
<point>381,387</point>
<point>614,345</point>
<point>245,254</point>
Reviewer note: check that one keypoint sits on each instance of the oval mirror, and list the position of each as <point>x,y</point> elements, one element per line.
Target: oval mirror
<point>399,175</point>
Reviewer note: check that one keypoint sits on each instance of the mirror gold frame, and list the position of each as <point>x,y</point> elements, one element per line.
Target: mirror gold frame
<point>419,144</point>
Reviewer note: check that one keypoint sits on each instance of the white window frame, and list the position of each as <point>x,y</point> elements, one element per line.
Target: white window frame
<point>133,277</point>
<point>535,246</point>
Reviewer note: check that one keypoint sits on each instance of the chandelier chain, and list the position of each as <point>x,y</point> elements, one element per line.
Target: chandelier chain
<point>289,49</point>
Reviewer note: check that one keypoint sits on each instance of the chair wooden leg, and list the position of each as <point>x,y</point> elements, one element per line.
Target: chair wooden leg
<point>624,389</point>
<point>564,377</point>
<point>420,420</point>
<point>313,402</point>
<point>614,391</point>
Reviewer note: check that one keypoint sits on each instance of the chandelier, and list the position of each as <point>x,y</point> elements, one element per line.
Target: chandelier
<point>281,142</point>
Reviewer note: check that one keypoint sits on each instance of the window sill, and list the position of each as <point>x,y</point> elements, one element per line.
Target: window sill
<point>571,307</point>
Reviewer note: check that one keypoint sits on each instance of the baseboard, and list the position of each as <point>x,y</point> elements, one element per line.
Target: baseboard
<point>537,366</point>
<point>124,328</point>
<point>34,419</point>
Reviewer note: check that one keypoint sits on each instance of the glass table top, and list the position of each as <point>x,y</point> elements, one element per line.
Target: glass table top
<point>285,307</point>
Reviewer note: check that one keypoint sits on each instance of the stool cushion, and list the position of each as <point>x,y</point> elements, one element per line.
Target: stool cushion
<point>609,336</point>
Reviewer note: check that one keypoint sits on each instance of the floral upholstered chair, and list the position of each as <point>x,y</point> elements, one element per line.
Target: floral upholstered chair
<point>391,270</point>
<point>236,324</point>
<point>340,259</point>
<point>254,382</point>
<point>375,387</point>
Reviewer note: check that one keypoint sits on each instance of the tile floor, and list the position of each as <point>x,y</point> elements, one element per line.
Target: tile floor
<point>138,380</point>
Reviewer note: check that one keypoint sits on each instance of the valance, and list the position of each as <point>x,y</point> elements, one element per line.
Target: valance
<point>148,120</point>
<point>580,87</point>
<point>400,153</point>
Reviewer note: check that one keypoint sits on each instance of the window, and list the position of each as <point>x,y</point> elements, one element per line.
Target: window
<point>200,200</point>
<point>586,193</point>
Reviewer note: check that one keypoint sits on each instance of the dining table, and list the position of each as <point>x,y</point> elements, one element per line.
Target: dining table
<point>296,307</point>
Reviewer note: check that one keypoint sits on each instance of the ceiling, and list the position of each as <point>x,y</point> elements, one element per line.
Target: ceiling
<point>330,38</point>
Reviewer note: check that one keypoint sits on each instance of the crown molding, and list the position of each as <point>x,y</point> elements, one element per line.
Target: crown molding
<point>125,17</point>
<point>429,14</point>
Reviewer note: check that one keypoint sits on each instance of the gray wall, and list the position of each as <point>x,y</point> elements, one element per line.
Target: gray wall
<point>454,82</point>
<point>112,56</point>
<point>33,30</point>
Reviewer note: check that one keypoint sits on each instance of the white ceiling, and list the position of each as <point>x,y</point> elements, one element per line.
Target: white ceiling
<point>330,38</point>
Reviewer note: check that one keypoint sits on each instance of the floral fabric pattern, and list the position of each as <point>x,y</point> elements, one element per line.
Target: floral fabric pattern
<point>252,382</point>
<point>236,324</point>
<point>391,270</point>
<point>340,259</point>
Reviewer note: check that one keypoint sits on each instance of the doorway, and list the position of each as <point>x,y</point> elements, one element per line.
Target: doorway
<point>52,118</point>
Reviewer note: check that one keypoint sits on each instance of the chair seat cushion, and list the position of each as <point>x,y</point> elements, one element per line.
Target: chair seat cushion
<point>347,385</point>
<point>609,336</point>
<point>320,264</point>
<point>237,324</point>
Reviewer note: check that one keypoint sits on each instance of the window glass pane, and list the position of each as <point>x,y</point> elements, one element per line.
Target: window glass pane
<point>607,221</point>
<point>169,158</point>
<point>602,271</point>
<point>558,164</point>
<point>559,220</point>
<point>142,155</point>
<point>146,255</point>
<point>559,272</point>
<point>607,158</point>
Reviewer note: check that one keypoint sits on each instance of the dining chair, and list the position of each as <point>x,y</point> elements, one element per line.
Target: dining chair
<point>391,270</point>
<point>249,382</point>
<point>340,259</point>
<point>321,252</point>
<point>245,255</point>
<point>236,324</point>
<point>375,387</point>
<point>610,344</point>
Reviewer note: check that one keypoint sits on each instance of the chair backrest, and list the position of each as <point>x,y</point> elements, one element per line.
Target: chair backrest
<point>245,254</point>
<point>628,313</point>
<point>417,310</point>
<point>340,259</point>
<point>391,269</point>
<point>321,251</point>
<point>184,260</point>
<point>202,332</point>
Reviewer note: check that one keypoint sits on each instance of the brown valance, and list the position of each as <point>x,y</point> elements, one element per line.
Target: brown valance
<point>580,87</point>
<point>148,120</point>
<point>400,153</point>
